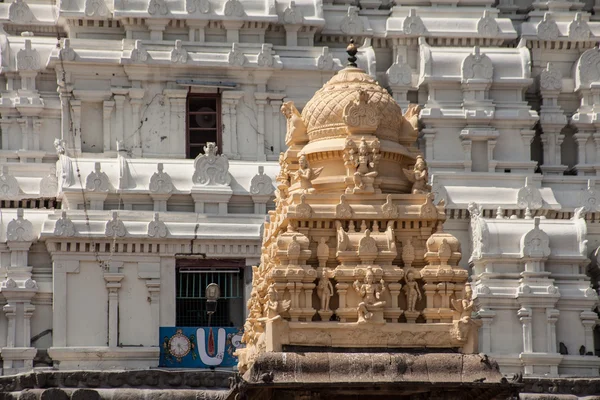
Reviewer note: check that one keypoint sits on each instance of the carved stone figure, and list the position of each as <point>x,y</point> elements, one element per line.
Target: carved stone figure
<point>413,25</point>
<point>201,6</point>
<point>265,57</point>
<point>465,308</point>
<point>28,58</point>
<point>408,254</point>
<point>343,209</point>
<point>296,129</point>
<point>305,175</point>
<point>324,289</point>
<point>20,13</point>
<point>342,237</point>
<point>59,145</point>
<point>211,169</point>
<point>274,307</point>
<point>325,60</point>
<point>179,54</point>
<point>96,8</point>
<point>413,293</point>
<point>139,53</point>
<point>158,7</point>
<point>370,293</point>
<point>547,28</point>
<point>363,162</point>
<point>419,177</point>
<point>233,8</point>
<point>322,252</point>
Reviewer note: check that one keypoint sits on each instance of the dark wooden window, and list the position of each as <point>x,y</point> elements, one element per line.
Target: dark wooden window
<point>193,276</point>
<point>203,122</point>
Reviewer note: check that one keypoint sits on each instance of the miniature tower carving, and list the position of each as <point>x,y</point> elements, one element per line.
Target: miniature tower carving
<point>354,253</point>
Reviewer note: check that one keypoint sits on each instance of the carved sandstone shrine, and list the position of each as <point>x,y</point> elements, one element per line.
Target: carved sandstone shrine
<point>354,255</point>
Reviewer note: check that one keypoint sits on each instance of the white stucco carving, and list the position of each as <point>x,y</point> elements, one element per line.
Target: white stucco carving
<point>210,168</point>
<point>20,229</point>
<point>97,181</point>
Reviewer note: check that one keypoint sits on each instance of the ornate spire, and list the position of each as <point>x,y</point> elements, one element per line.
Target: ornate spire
<point>352,50</point>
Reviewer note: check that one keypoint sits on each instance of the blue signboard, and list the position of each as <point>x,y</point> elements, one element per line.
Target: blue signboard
<point>199,347</point>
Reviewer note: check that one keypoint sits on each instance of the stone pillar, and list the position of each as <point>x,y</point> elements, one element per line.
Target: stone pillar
<point>5,124</point>
<point>232,97</point>
<point>119,113</point>
<point>466,145</point>
<point>37,129</point>
<point>233,30</point>
<point>342,288</point>
<point>136,96</point>
<point>59,300</point>
<point>589,319</point>
<point>23,122</point>
<point>65,119</point>
<point>153,286</point>
<point>527,135</point>
<point>429,135</point>
<point>276,140</point>
<point>551,316</point>
<point>261,101</point>
<point>106,124</point>
<point>524,314</point>
<point>113,280</point>
<point>176,135</point>
<point>581,138</point>
<point>291,34</point>
<point>487,317</point>
<point>491,144</point>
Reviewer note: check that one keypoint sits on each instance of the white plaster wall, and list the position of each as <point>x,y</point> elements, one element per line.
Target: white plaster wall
<point>41,320</point>
<point>507,335</point>
<point>167,291</point>
<point>91,127</point>
<point>87,307</point>
<point>569,330</point>
<point>135,324</point>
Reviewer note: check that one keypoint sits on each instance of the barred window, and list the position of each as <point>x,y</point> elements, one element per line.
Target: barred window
<point>203,122</point>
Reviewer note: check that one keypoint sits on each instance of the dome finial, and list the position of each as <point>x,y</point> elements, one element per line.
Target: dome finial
<point>352,50</point>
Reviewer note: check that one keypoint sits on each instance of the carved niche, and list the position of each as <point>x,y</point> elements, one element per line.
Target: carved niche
<point>211,169</point>
<point>9,187</point>
<point>292,14</point>
<point>352,23</point>
<point>201,6</point>
<point>261,184</point>
<point>157,228</point>
<point>67,53</point>
<point>28,59</point>
<point>265,57</point>
<point>20,13</point>
<point>115,227</point>
<point>233,8</point>
<point>547,28</point>
<point>535,243</point>
<point>179,54</point>
<point>551,78</point>
<point>236,57</point>
<point>413,24</point>
<point>96,8</point>
<point>158,7</point>
<point>64,226</point>
<point>139,53</point>
<point>97,181</point>
<point>529,197</point>
<point>325,60</point>
<point>477,66</point>
<point>578,28</point>
<point>487,25</point>
<point>160,181</point>
<point>399,72</point>
<point>19,229</point>
<point>361,115</point>
<point>49,184</point>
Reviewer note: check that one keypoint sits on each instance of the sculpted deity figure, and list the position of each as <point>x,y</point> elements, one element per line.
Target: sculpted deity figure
<point>274,306</point>
<point>365,160</point>
<point>325,290</point>
<point>419,177</point>
<point>296,128</point>
<point>370,293</point>
<point>305,174</point>
<point>412,291</point>
<point>465,308</point>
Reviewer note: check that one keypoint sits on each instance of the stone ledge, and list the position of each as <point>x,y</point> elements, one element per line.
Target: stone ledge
<point>135,379</point>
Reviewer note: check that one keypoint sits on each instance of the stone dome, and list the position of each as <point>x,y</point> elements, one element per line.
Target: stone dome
<point>324,113</point>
